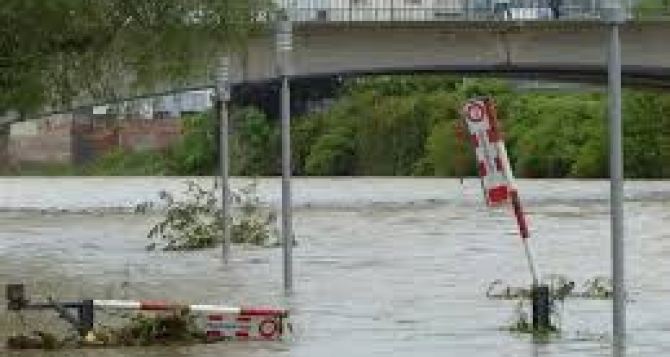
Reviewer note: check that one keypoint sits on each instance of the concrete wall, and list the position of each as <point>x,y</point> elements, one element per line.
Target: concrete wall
<point>93,141</point>
<point>66,140</point>
<point>45,140</point>
<point>137,135</point>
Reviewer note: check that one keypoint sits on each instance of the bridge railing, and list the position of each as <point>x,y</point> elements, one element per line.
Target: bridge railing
<point>343,11</point>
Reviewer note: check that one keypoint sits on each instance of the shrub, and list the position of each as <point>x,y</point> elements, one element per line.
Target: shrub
<point>195,222</point>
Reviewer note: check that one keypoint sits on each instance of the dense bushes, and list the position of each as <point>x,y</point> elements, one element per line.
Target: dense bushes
<point>253,146</point>
<point>408,125</point>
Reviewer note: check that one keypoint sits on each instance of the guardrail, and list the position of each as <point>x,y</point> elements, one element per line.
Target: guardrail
<point>344,11</point>
<point>217,322</point>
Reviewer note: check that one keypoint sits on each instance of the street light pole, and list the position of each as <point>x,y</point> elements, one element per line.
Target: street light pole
<point>284,47</point>
<point>616,17</point>
<point>223,98</point>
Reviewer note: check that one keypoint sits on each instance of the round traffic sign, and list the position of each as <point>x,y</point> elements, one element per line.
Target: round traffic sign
<point>475,111</point>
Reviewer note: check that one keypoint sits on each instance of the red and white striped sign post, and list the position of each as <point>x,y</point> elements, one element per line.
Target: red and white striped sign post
<point>495,171</point>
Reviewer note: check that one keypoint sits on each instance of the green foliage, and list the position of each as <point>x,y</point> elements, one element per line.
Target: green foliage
<point>254,149</point>
<point>37,340</point>
<point>548,134</point>
<point>379,130</point>
<point>196,152</point>
<point>304,133</point>
<point>403,126</point>
<point>58,51</point>
<point>644,119</point>
<point>406,126</point>
<point>124,163</point>
<point>332,154</point>
<point>38,169</point>
<point>389,125</point>
<point>195,222</point>
<point>254,144</point>
<point>447,154</point>
<point>173,327</point>
<point>652,8</point>
<point>144,330</point>
<point>254,223</point>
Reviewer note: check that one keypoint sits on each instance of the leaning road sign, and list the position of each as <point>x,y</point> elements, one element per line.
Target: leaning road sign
<point>495,171</point>
<point>492,161</point>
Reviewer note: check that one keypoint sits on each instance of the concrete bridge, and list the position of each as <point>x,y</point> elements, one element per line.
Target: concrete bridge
<point>569,50</point>
<point>472,37</point>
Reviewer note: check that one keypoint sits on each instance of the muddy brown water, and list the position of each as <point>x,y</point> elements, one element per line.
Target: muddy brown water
<point>384,267</point>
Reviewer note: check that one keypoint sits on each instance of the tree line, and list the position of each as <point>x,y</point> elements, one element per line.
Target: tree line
<point>409,126</point>
<point>56,52</point>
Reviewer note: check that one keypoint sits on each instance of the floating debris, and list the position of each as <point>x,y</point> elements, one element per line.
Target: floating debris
<point>560,288</point>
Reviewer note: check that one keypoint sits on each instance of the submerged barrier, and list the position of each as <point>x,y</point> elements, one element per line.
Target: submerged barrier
<point>214,322</point>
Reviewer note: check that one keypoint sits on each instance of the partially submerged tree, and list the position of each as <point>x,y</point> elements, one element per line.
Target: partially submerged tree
<point>55,51</point>
<point>194,221</point>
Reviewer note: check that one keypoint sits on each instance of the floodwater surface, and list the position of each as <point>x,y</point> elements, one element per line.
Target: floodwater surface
<point>384,267</point>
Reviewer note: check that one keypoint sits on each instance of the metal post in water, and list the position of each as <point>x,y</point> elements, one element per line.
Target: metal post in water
<point>223,97</point>
<point>284,47</point>
<point>541,303</point>
<point>16,297</point>
<point>86,317</point>
<point>616,18</point>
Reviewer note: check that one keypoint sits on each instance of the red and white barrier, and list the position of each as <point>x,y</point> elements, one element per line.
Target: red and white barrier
<point>159,305</point>
<point>487,139</point>
<point>217,321</point>
<point>254,327</point>
<point>494,168</point>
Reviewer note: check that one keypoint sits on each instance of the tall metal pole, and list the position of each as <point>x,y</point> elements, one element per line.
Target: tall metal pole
<point>223,98</point>
<point>617,17</point>
<point>284,46</point>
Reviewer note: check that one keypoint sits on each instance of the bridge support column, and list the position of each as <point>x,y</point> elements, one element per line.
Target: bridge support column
<point>284,47</point>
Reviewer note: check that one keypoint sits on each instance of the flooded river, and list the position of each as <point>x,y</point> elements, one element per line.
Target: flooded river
<point>384,267</point>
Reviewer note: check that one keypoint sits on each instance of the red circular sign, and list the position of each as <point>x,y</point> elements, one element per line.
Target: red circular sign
<point>267,328</point>
<point>475,112</point>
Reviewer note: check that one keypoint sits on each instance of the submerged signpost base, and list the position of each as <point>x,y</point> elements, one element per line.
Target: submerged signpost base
<point>541,308</point>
